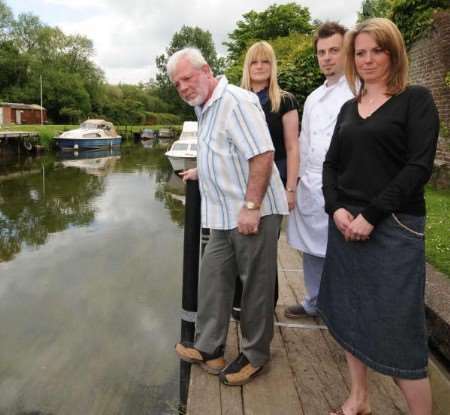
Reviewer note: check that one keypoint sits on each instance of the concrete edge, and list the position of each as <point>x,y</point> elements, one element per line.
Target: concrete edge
<point>437,308</point>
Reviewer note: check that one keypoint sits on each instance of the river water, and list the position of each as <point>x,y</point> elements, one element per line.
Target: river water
<point>90,276</point>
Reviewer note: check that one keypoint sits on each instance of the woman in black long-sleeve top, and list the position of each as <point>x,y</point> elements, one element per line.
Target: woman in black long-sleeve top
<point>380,157</point>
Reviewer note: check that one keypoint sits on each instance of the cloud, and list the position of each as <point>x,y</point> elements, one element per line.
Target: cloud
<point>129,35</point>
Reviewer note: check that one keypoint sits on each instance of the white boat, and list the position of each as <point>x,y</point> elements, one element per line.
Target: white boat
<point>91,134</point>
<point>183,153</point>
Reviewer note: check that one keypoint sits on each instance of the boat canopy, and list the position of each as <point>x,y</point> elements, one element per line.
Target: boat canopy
<point>96,124</point>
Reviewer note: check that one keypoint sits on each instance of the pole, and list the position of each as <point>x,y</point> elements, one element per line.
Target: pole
<point>191,256</point>
<point>42,117</point>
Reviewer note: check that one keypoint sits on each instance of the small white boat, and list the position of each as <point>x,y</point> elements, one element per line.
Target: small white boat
<point>91,134</point>
<point>183,153</point>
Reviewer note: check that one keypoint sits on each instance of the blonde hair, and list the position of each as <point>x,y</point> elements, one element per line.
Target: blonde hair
<point>388,37</point>
<point>263,50</point>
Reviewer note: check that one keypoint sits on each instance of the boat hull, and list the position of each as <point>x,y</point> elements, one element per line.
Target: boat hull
<point>182,163</point>
<point>86,143</point>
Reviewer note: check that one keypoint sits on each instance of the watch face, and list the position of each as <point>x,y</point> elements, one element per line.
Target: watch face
<point>250,205</point>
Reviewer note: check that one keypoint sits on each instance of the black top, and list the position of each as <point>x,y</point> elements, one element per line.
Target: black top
<point>381,163</point>
<point>274,120</point>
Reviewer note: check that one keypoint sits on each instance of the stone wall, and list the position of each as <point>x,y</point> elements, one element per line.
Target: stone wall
<point>430,62</point>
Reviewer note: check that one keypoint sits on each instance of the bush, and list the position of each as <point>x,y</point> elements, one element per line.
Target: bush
<point>153,118</point>
<point>414,18</point>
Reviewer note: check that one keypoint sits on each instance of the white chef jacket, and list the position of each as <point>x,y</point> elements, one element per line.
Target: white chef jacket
<point>307,228</point>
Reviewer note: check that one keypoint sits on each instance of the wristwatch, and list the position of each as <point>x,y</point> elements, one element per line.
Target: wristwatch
<point>249,205</point>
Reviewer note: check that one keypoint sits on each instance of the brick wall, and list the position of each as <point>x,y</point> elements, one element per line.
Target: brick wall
<point>429,63</point>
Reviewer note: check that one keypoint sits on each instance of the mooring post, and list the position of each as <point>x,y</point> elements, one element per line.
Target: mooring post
<point>191,258</point>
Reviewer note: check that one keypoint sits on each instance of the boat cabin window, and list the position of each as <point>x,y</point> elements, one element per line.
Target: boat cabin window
<point>88,126</point>
<point>180,147</point>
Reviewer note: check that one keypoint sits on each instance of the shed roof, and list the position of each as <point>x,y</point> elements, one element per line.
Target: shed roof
<point>21,106</point>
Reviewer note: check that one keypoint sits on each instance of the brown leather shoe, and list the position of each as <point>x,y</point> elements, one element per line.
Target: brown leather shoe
<point>213,364</point>
<point>240,371</point>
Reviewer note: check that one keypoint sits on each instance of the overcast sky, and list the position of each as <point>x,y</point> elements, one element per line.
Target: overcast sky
<point>129,34</point>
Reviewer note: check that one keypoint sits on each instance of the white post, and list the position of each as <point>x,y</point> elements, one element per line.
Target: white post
<point>42,118</point>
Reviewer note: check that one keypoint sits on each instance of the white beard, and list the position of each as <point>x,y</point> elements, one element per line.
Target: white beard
<point>198,100</point>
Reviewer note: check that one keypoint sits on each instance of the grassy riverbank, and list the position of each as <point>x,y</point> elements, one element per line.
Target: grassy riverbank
<point>48,132</point>
<point>438,229</point>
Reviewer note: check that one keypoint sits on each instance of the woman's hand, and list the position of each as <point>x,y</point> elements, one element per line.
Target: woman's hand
<point>358,230</point>
<point>291,199</point>
<point>342,218</point>
<point>190,174</point>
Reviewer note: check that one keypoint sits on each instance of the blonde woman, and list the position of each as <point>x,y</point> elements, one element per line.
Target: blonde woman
<point>281,109</point>
<point>381,155</point>
<point>259,75</point>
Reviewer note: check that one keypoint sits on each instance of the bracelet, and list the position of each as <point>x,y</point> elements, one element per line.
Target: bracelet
<point>289,189</point>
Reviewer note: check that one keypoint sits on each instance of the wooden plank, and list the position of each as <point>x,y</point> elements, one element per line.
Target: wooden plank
<point>318,379</point>
<point>231,397</point>
<point>291,264</point>
<point>204,393</point>
<point>440,383</point>
<point>385,397</point>
<point>273,392</point>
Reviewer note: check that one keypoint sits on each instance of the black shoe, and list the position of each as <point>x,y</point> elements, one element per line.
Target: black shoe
<point>297,311</point>
<point>240,371</point>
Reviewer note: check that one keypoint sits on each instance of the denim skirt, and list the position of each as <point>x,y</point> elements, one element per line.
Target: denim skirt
<point>372,296</point>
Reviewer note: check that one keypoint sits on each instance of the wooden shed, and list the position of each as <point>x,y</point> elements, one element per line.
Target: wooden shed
<point>15,113</point>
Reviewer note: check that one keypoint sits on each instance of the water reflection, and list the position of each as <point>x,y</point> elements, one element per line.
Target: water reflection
<point>89,287</point>
<point>97,162</point>
<point>42,200</point>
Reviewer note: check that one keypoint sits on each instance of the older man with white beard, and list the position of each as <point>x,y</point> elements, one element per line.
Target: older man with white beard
<point>243,200</point>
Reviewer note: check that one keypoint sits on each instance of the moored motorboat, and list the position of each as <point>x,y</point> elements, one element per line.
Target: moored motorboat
<point>148,137</point>
<point>91,134</point>
<point>183,153</point>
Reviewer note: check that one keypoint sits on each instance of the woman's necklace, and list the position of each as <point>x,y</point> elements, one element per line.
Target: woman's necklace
<point>372,103</point>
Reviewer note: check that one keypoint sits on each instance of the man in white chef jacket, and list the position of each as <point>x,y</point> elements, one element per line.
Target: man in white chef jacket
<point>307,228</point>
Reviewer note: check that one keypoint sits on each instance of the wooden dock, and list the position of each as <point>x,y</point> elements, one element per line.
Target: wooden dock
<point>308,374</point>
<point>19,140</point>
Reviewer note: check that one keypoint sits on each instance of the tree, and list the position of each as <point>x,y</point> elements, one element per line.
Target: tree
<point>6,19</point>
<point>375,8</point>
<point>276,21</point>
<point>186,36</point>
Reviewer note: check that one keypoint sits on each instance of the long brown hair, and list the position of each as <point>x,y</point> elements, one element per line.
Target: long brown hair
<point>388,37</point>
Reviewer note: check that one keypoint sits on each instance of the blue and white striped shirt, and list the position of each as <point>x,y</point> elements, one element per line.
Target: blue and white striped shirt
<point>232,130</point>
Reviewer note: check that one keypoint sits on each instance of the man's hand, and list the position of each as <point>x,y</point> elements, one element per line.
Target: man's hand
<point>190,174</point>
<point>342,218</point>
<point>358,230</point>
<point>248,221</point>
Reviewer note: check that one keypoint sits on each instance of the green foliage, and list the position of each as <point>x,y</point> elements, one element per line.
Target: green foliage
<point>153,118</point>
<point>447,79</point>
<point>437,229</point>
<point>375,8</point>
<point>276,21</point>
<point>302,76</point>
<point>414,18</point>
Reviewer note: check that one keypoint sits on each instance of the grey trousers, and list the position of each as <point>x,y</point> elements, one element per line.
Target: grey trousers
<point>312,271</point>
<point>254,258</point>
